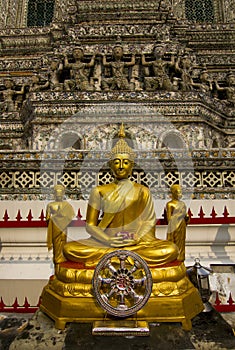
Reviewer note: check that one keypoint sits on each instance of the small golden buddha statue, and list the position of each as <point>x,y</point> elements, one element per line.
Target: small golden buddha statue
<point>127,214</point>
<point>177,219</point>
<point>59,214</point>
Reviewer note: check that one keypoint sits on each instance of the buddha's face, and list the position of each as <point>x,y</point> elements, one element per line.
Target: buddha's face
<point>176,192</point>
<point>59,193</point>
<point>121,166</point>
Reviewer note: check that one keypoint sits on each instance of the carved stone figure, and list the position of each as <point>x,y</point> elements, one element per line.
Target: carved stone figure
<point>10,94</point>
<point>205,84</point>
<point>119,78</point>
<point>229,89</point>
<point>160,79</point>
<point>79,72</point>
<point>184,66</point>
<point>36,84</point>
<point>200,139</point>
<point>59,214</point>
<point>177,219</point>
<point>56,69</point>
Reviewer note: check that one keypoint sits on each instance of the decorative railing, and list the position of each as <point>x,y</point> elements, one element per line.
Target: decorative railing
<point>229,307</point>
<point>27,308</point>
<point>32,175</point>
<point>17,308</point>
<point>29,220</point>
<point>201,219</point>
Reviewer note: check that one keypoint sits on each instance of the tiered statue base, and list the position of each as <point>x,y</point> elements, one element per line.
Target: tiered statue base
<point>68,297</point>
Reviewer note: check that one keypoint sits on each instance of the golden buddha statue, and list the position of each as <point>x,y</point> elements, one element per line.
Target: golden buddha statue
<point>120,215</point>
<point>177,219</point>
<point>59,214</point>
<point>128,218</point>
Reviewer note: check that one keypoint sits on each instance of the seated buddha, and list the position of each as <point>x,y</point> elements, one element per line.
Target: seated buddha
<point>121,215</point>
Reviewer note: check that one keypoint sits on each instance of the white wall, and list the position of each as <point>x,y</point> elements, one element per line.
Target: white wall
<point>26,264</point>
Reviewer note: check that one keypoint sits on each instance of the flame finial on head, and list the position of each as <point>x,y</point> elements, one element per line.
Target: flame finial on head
<point>121,146</point>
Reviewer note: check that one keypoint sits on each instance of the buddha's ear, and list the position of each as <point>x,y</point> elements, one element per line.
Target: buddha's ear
<point>131,170</point>
<point>110,163</point>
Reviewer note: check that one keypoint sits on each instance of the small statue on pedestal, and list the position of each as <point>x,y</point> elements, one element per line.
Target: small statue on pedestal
<point>177,219</point>
<point>59,214</point>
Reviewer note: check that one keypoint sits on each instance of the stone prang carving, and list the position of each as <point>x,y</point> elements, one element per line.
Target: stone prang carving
<point>118,77</point>
<point>12,98</point>
<point>183,69</point>
<point>106,60</point>
<point>37,84</point>
<point>79,72</point>
<point>160,79</point>
<point>229,89</point>
<point>55,73</point>
<point>204,84</point>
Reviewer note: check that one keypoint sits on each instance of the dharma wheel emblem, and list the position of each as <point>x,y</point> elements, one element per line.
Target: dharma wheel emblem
<point>122,283</point>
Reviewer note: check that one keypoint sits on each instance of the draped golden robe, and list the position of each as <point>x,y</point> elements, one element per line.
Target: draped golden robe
<point>176,231</point>
<point>127,210</point>
<point>58,216</point>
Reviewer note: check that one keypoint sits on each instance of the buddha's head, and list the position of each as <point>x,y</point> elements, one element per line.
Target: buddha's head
<point>176,191</point>
<point>59,191</point>
<point>121,157</point>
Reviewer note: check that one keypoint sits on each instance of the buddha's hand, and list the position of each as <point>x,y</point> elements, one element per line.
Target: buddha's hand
<point>122,239</point>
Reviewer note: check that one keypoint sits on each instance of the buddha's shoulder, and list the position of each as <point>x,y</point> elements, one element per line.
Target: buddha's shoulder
<point>111,186</point>
<point>141,188</point>
<point>104,188</point>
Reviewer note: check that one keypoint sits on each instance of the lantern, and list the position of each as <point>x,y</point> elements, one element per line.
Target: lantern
<point>199,276</point>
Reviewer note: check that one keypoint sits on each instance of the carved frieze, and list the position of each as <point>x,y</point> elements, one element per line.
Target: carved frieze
<point>80,170</point>
<point>229,11</point>
<point>70,83</point>
<point>13,43</point>
<point>159,31</point>
<point>123,10</point>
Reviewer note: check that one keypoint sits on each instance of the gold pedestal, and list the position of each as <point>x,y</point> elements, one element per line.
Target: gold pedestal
<point>121,328</point>
<point>173,299</point>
